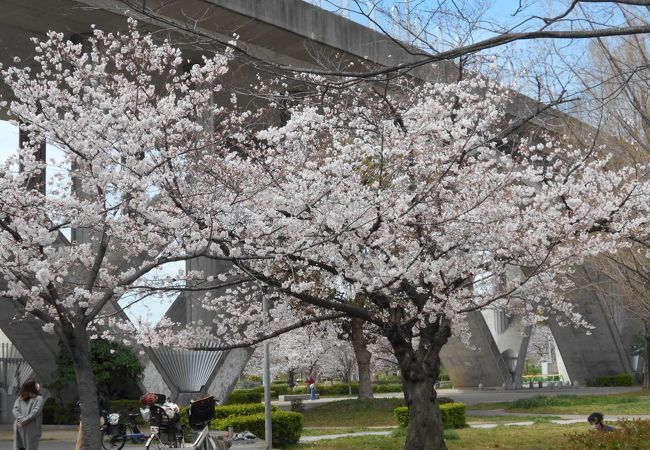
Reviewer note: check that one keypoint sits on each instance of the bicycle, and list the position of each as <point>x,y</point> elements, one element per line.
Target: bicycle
<point>200,413</point>
<point>166,429</point>
<point>114,433</point>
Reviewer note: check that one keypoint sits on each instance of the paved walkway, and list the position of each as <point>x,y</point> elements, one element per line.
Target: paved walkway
<point>475,396</point>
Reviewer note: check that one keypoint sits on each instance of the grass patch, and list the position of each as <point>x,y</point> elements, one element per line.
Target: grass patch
<point>576,404</point>
<point>536,437</point>
<point>361,413</point>
<point>320,431</point>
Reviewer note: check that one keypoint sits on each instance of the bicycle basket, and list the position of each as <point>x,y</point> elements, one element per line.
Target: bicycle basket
<point>201,412</point>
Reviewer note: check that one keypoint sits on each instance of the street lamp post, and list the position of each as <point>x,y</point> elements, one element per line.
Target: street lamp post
<point>268,424</point>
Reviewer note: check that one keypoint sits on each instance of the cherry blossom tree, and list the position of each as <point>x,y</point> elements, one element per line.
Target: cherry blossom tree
<point>301,349</point>
<point>120,109</point>
<point>411,199</point>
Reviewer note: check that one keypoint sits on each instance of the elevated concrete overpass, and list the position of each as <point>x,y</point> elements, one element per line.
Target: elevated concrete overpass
<point>290,33</point>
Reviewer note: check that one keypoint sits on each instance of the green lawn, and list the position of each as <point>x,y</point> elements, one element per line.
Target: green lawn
<point>368,415</point>
<point>632,403</point>
<point>535,437</point>
<point>356,413</point>
<point>320,431</point>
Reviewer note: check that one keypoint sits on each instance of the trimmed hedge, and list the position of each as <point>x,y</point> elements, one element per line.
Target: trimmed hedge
<point>453,415</point>
<point>538,378</point>
<point>342,388</point>
<point>287,426</point>
<point>239,396</point>
<point>245,409</point>
<point>624,379</point>
<point>386,387</point>
<point>280,389</point>
<point>55,414</point>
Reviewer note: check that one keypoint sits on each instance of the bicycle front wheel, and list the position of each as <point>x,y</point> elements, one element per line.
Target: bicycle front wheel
<point>110,442</point>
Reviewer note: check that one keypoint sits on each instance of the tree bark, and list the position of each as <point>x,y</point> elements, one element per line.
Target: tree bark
<point>78,344</point>
<point>363,355</point>
<point>291,378</point>
<point>425,430</point>
<point>420,368</point>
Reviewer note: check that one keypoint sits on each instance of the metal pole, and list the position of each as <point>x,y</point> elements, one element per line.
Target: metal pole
<point>268,424</point>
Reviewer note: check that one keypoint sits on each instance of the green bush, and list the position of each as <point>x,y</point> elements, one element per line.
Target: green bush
<point>453,415</point>
<point>65,415</point>
<point>287,426</point>
<point>48,411</point>
<point>341,389</point>
<point>402,416</point>
<point>185,421</point>
<point>537,378</point>
<point>628,435</point>
<point>239,396</point>
<point>127,406</point>
<point>624,379</point>
<point>386,387</point>
<point>280,389</point>
<point>328,389</point>
<point>245,409</point>
<point>55,414</point>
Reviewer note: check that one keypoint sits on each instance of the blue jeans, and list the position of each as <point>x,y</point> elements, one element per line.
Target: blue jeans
<point>312,393</point>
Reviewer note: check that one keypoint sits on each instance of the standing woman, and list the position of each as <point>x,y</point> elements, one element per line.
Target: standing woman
<point>28,411</point>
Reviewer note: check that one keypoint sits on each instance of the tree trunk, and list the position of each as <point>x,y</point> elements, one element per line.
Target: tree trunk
<point>420,368</point>
<point>425,430</point>
<point>79,346</point>
<point>291,378</point>
<point>646,355</point>
<point>360,345</point>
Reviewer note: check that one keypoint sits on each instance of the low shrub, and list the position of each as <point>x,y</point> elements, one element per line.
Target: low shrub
<point>624,379</point>
<point>245,409</point>
<point>287,426</point>
<point>239,396</point>
<point>125,406</point>
<point>48,411</point>
<point>453,415</point>
<point>280,389</point>
<point>386,387</point>
<point>341,389</point>
<point>55,414</point>
<point>537,378</point>
<point>628,435</point>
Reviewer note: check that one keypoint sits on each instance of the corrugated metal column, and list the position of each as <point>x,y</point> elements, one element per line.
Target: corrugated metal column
<point>268,423</point>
